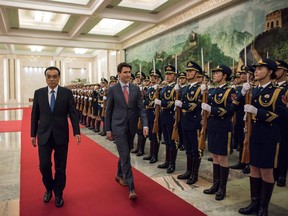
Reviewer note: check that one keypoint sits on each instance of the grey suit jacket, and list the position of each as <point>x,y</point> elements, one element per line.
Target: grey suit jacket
<point>119,115</point>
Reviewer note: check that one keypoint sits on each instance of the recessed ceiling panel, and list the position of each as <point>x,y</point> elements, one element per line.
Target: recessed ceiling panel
<point>80,2</point>
<point>142,4</point>
<point>110,26</point>
<point>41,20</point>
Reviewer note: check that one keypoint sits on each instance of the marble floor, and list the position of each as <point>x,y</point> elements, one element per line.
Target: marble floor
<point>237,187</point>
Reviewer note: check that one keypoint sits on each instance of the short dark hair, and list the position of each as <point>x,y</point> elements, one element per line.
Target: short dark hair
<point>52,68</point>
<point>121,65</point>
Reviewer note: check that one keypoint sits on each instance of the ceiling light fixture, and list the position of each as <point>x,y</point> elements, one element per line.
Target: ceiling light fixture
<point>80,51</point>
<point>142,4</point>
<point>36,48</point>
<point>41,16</point>
<point>110,26</point>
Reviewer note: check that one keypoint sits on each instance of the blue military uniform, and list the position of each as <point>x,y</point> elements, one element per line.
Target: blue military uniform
<point>283,150</point>
<point>190,122</point>
<point>181,145</point>
<point>167,97</point>
<point>219,131</point>
<point>149,97</point>
<point>265,138</point>
<point>240,123</point>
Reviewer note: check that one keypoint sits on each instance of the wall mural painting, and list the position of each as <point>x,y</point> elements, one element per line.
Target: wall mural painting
<point>259,25</point>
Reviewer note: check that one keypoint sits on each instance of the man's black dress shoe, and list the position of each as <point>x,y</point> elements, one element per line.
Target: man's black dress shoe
<point>47,196</point>
<point>59,202</point>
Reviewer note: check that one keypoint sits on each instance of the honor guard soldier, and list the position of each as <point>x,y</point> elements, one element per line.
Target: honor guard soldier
<point>95,108</point>
<point>149,105</point>
<point>166,101</point>
<point>182,81</point>
<point>281,79</point>
<point>219,128</point>
<point>139,150</point>
<point>101,94</point>
<point>132,78</point>
<point>266,109</point>
<point>240,123</point>
<point>113,81</point>
<point>90,110</point>
<point>190,103</point>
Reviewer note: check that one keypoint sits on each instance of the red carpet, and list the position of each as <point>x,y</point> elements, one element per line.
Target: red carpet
<point>10,126</point>
<point>91,189</point>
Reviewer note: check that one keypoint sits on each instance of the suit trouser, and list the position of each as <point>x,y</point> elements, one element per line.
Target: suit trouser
<point>60,161</point>
<point>124,143</point>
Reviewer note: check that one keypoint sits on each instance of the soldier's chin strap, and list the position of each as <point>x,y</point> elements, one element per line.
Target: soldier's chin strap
<point>264,76</point>
<point>193,76</point>
<point>284,71</point>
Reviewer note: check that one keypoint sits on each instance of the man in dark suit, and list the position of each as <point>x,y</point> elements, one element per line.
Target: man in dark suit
<point>51,107</point>
<point>124,106</point>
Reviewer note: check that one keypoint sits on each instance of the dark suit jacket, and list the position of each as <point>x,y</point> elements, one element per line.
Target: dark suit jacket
<point>119,115</point>
<point>43,121</point>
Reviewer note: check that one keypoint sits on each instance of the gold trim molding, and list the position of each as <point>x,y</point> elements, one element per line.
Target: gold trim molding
<point>203,8</point>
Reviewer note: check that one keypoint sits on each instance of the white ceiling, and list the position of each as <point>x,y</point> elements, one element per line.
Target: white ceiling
<point>63,25</point>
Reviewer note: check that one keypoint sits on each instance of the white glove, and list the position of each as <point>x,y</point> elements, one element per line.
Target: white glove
<point>104,98</point>
<point>178,103</point>
<point>250,108</point>
<point>206,107</point>
<point>176,87</point>
<point>90,98</point>
<point>203,88</point>
<point>141,88</point>
<point>246,86</point>
<point>157,102</point>
<point>85,97</point>
<point>102,105</point>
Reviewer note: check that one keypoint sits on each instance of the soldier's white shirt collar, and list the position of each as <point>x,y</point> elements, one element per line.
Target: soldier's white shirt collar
<point>171,84</point>
<point>281,83</point>
<point>222,85</point>
<point>192,84</point>
<point>264,86</point>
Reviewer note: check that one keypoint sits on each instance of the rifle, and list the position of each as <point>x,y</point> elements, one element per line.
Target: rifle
<point>247,129</point>
<point>175,133</point>
<point>157,113</point>
<point>202,137</point>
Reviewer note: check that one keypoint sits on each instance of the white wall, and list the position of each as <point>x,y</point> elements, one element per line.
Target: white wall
<point>21,75</point>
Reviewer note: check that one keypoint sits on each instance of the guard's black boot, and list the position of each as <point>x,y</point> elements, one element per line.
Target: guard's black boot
<point>167,159</point>
<point>238,165</point>
<point>221,193</point>
<point>88,122</point>
<point>195,169</point>
<point>246,169</point>
<point>266,193</point>
<point>255,191</point>
<point>92,127</point>
<point>154,158</point>
<point>172,164</point>
<point>216,180</point>
<point>138,144</point>
<point>148,157</point>
<point>188,172</point>
<point>142,146</point>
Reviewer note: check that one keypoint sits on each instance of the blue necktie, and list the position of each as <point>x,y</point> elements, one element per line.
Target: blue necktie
<point>52,102</point>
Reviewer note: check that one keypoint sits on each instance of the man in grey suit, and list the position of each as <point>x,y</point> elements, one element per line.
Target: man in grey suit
<point>124,106</point>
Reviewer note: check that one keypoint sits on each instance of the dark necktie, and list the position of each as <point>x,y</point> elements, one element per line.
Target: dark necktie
<point>52,102</point>
<point>258,90</point>
<point>125,92</point>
